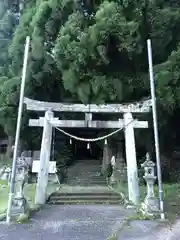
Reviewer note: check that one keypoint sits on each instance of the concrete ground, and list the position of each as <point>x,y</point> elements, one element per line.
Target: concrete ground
<point>84,222</point>
<point>149,230</point>
<point>76,222</point>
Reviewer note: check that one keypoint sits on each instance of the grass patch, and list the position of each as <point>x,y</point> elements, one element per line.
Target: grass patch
<point>171,206</point>
<point>112,237</point>
<point>4,189</point>
<point>4,160</point>
<point>138,216</point>
<point>171,197</point>
<point>29,193</point>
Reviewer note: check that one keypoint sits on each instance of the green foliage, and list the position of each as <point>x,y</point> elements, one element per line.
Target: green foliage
<point>96,56</point>
<point>92,53</point>
<point>83,53</point>
<point>9,87</point>
<point>41,66</point>
<point>63,158</point>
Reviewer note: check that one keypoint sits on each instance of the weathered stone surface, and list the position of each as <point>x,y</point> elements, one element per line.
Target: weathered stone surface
<point>36,155</point>
<point>2,216</point>
<point>53,178</point>
<point>19,203</point>
<point>23,217</point>
<point>19,206</point>
<point>151,203</point>
<point>5,173</point>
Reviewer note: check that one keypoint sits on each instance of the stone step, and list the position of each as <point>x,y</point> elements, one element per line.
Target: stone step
<point>88,180</point>
<point>86,193</point>
<point>85,166</point>
<point>92,162</point>
<point>86,184</point>
<point>87,201</point>
<point>81,170</point>
<point>84,197</point>
<point>91,179</point>
<point>87,174</point>
<point>91,165</point>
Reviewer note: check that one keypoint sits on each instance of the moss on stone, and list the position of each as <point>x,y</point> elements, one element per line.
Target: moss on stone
<point>23,217</point>
<point>2,217</point>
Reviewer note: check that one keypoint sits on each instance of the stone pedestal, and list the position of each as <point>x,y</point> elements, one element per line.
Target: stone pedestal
<point>53,178</point>
<point>151,205</point>
<point>19,206</point>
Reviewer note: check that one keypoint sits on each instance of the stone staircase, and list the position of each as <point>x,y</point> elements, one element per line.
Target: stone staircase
<point>86,173</point>
<point>85,195</point>
<point>85,185</point>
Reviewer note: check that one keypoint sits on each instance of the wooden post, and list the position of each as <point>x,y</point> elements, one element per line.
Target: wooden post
<point>44,160</point>
<point>132,172</point>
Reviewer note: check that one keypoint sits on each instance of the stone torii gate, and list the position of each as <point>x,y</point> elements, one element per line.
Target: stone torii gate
<point>50,121</point>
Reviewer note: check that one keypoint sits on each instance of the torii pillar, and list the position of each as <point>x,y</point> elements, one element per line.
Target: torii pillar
<point>43,172</point>
<point>132,170</point>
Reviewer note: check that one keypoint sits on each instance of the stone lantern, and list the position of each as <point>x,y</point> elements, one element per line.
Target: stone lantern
<point>151,202</point>
<point>19,204</point>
